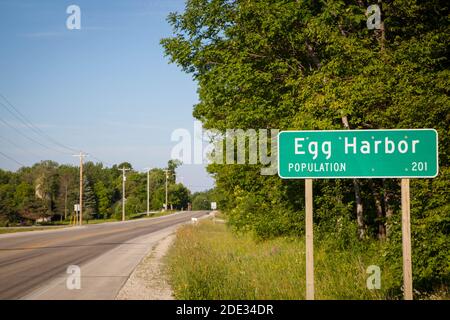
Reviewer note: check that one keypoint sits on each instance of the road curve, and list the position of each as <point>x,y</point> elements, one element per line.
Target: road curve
<point>29,260</point>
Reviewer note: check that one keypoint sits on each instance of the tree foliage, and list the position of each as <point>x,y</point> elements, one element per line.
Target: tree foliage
<point>50,190</point>
<point>315,65</point>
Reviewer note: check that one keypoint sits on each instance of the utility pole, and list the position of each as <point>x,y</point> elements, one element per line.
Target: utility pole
<point>81,155</point>
<point>65,204</point>
<point>123,169</point>
<point>167,191</point>
<point>148,190</point>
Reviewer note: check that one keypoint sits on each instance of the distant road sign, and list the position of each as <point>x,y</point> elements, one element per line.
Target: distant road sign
<point>397,153</point>
<point>213,205</point>
<point>76,208</point>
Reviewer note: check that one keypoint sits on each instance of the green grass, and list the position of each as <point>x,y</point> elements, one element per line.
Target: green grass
<point>151,215</point>
<point>25,229</point>
<point>97,221</point>
<point>208,261</point>
<point>133,217</point>
<point>69,222</point>
<point>65,223</point>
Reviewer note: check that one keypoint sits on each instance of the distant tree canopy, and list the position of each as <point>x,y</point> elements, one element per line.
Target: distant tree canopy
<point>202,200</point>
<point>315,65</point>
<point>50,190</point>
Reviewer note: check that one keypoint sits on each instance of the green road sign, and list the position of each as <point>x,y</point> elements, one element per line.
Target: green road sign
<point>402,153</point>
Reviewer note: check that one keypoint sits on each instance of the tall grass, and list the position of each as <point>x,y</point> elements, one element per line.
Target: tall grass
<point>208,261</point>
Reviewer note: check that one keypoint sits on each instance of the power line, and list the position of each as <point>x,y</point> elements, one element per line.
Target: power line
<point>100,160</point>
<point>12,159</point>
<point>39,143</point>
<point>19,147</point>
<point>29,138</point>
<point>25,121</point>
<point>22,118</point>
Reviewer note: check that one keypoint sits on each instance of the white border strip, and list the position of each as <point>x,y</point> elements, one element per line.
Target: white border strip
<point>361,177</point>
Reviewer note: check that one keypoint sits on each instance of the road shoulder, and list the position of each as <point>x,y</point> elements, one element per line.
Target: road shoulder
<point>149,281</point>
<point>103,277</point>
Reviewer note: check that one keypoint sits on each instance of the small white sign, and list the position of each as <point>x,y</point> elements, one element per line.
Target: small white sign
<point>76,207</point>
<point>213,205</point>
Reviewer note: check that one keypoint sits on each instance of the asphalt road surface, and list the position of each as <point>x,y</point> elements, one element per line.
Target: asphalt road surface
<point>29,260</point>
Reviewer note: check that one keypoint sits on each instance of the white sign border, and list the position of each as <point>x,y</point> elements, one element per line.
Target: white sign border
<point>360,177</point>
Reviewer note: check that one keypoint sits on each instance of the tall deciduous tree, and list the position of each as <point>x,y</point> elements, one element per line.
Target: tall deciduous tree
<point>314,65</point>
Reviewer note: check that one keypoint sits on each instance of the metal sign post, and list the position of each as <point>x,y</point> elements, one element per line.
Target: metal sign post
<point>77,209</point>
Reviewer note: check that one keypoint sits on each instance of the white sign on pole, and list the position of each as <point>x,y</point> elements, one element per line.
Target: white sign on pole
<point>76,207</point>
<point>213,205</point>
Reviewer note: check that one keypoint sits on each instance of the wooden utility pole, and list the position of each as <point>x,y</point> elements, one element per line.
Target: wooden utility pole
<point>148,190</point>
<point>406,241</point>
<point>81,156</point>
<point>65,204</point>
<point>309,239</point>
<point>124,178</point>
<point>167,189</point>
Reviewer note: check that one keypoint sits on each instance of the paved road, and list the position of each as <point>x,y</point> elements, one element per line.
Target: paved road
<point>31,260</point>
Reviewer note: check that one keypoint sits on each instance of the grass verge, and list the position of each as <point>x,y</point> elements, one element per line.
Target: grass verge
<point>25,229</point>
<point>66,223</point>
<point>208,261</point>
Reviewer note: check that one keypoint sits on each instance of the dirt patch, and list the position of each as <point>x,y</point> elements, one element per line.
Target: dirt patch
<point>149,281</point>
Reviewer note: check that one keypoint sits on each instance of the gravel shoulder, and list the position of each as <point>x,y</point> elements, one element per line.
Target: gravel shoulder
<point>149,281</point>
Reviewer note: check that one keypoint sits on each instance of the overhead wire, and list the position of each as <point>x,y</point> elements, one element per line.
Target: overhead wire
<point>29,138</point>
<point>12,159</point>
<point>19,147</point>
<point>22,118</point>
<point>16,113</point>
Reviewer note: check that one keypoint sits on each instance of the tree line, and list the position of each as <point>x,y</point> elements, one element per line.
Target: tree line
<point>50,190</point>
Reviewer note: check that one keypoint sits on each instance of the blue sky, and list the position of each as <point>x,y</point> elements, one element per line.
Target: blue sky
<point>106,89</point>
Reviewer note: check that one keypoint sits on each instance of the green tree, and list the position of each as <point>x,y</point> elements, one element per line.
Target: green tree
<point>68,184</point>
<point>89,201</point>
<point>179,196</point>
<point>158,198</point>
<point>104,196</point>
<point>46,184</point>
<point>315,65</point>
<point>200,201</point>
<point>172,166</point>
